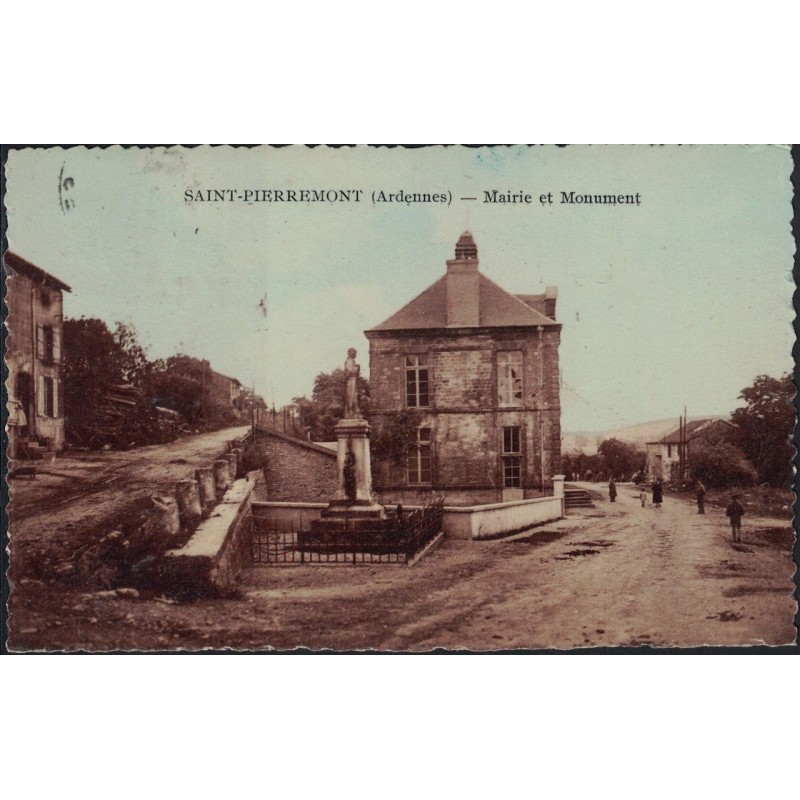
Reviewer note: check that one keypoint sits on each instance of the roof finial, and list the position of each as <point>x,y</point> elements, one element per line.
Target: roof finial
<point>465,247</point>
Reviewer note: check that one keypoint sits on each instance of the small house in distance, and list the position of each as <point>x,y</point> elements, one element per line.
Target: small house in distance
<point>663,456</point>
<point>478,368</point>
<point>35,380</point>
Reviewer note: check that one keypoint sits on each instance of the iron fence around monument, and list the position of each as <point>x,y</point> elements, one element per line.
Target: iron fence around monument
<point>401,537</point>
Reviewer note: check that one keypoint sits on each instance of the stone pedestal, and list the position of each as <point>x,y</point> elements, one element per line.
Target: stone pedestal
<point>359,513</point>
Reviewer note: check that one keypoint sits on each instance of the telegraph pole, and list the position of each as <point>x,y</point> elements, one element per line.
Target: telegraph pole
<point>684,459</point>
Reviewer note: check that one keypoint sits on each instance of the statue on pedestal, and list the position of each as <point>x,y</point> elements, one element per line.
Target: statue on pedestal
<point>353,510</point>
<point>351,373</point>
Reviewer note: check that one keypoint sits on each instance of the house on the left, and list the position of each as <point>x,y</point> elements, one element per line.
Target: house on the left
<point>35,382</point>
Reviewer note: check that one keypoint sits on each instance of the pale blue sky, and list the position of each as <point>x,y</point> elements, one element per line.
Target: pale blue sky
<point>680,301</point>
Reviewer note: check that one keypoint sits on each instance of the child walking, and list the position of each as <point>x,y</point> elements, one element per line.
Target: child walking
<point>735,511</point>
<point>643,497</point>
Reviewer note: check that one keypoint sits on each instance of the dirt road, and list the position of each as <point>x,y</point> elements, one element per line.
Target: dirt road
<point>615,575</point>
<point>75,497</point>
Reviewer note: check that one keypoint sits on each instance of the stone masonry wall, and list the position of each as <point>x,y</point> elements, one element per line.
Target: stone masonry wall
<point>27,312</point>
<point>464,413</point>
<point>296,470</point>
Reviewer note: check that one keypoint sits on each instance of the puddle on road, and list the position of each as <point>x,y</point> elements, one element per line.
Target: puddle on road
<point>743,591</point>
<point>726,616</point>
<point>598,543</point>
<point>542,537</point>
<point>781,538</point>
<point>721,570</point>
<point>575,554</point>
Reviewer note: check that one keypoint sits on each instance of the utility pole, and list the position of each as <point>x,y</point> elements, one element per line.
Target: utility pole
<point>684,459</point>
<point>253,411</point>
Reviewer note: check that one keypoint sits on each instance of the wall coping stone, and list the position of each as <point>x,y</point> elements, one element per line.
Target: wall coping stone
<point>210,535</point>
<point>317,448</point>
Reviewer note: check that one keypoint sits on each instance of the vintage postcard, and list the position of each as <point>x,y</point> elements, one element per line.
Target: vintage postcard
<point>399,399</point>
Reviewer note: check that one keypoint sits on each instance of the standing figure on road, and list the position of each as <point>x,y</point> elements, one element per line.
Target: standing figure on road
<point>658,493</point>
<point>701,498</point>
<point>643,497</point>
<point>612,491</point>
<point>735,511</point>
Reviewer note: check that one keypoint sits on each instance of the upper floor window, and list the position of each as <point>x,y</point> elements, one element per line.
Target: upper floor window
<point>509,377</point>
<point>47,345</point>
<point>419,458</point>
<point>417,386</point>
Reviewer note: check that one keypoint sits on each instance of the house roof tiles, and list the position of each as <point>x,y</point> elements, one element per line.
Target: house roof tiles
<point>23,267</point>
<point>497,309</point>
<point>693,428</point>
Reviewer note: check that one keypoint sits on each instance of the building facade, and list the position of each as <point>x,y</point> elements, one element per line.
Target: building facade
<point>35,381</point>
<point>663,456</point>
<point>476,368</point>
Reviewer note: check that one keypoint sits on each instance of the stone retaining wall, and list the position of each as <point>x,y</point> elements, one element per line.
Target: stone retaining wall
<point>211,560</point>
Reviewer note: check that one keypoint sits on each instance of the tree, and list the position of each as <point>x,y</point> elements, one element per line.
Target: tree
<point>393,435</point>
<point>135,366</point>
<point>185,384</point>
<point>104,381</point>
<point>93,361</point>
<point>326,406</point>
<point>576,463</point>
<point>721,465</point>
<point>620,459</point>
<point>764,427</point>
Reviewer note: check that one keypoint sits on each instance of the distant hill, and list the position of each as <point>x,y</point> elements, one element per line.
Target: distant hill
<point>586,442</point>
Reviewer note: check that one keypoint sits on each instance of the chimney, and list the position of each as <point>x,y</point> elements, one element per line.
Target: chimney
<point>550,295</point>
<point>463,302</point>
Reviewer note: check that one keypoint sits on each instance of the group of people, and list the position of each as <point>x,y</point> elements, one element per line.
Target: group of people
<point>658,493</point>
<point>734,510</point>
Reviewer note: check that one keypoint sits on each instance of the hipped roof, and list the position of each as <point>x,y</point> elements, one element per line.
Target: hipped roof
<point>497,309</point>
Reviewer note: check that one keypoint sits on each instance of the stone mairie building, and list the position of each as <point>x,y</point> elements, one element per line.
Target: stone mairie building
<point>479,366</point>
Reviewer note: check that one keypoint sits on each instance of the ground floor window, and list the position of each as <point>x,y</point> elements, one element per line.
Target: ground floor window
<point>49,398</point>
<point>512,458</point>
<point>419,458</point>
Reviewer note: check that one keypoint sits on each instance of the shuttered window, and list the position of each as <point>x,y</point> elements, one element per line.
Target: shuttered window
<point>48,397</point>
<point>48,345</point>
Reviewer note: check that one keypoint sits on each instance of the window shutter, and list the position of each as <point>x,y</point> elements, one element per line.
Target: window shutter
<point>40,341</point>
<point>56,345</point>
<point>40,397</point>
<point>433,456</point>
<point>498,468</point>
<point>56,398</point>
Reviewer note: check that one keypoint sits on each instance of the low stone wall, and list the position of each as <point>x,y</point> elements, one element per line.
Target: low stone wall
<point>218,550</point>
<point>287,515</point>
<point>460,522</point>
<point>500,519</point>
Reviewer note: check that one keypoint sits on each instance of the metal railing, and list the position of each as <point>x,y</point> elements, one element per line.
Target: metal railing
<point>398,539</point>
